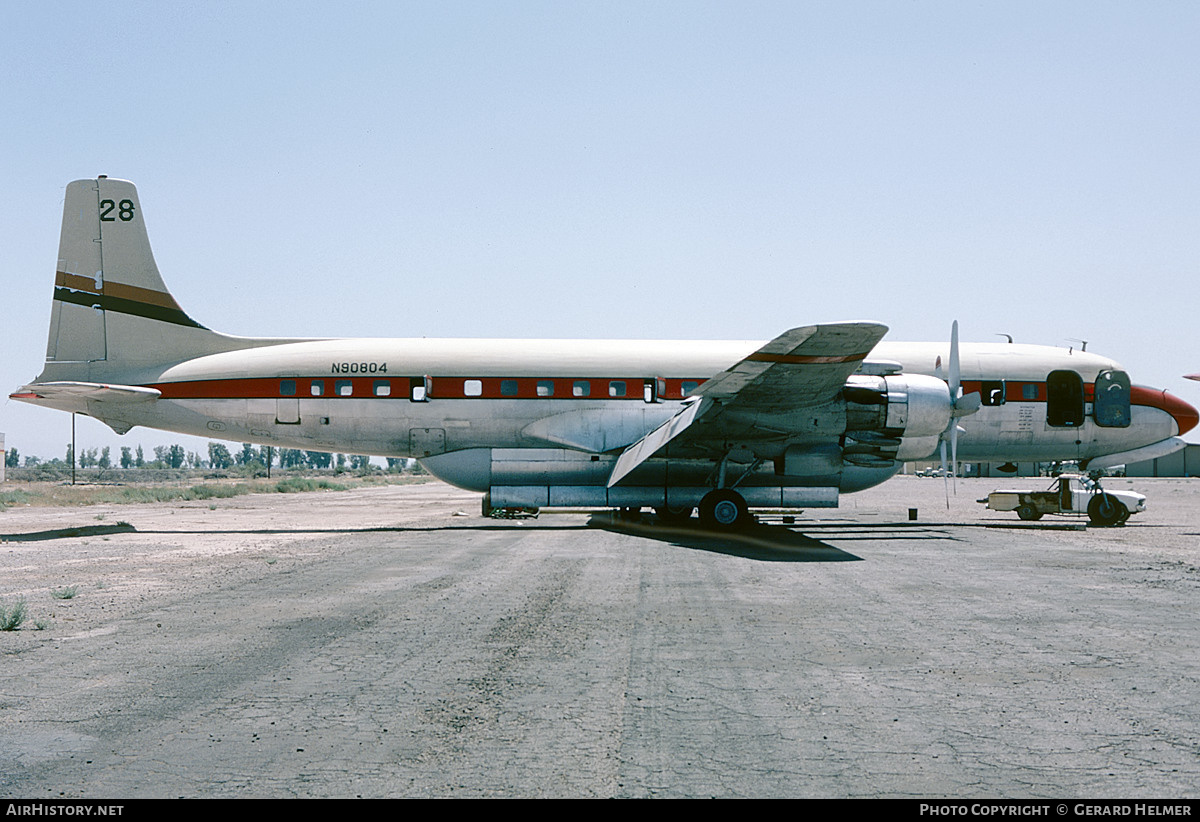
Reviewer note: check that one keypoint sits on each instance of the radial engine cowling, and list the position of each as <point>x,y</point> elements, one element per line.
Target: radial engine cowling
<point>894,418</point>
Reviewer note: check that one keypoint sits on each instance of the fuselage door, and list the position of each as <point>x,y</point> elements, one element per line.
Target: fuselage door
<point>991,392</point>
<point>420,388</point>
<point>1110,404</point>
<point>1064,399</point>
<point>287,407</point>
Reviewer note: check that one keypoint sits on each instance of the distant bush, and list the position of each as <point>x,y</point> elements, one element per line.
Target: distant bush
<point>293,485</point>
<point>216,491</point>
<point>11,619</point>
<point>8,498</point>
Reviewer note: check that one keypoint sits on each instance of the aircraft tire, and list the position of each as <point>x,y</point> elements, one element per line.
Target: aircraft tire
<point>1029,512</point>
<point>1105,511</point>
<point>723,509</point>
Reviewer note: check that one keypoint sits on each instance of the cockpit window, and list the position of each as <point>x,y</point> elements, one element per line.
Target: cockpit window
<point>1110,405</point>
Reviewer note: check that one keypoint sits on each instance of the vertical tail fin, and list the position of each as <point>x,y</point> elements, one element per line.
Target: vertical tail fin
<point>107,284</point>
<point>112,311</point>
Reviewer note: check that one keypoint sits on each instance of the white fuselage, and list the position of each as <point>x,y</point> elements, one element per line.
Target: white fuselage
<point>427,397</point>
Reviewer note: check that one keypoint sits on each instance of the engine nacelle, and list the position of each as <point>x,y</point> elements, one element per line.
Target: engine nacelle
<point>896,417</point>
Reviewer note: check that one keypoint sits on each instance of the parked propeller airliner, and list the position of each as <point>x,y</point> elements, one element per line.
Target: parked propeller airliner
<point>818,411</point>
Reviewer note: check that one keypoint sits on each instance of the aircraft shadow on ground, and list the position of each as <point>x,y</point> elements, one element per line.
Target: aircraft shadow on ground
<point>126,528</point>
<point>65,533</point>
<point>761,542</point>
<point>765,543</point>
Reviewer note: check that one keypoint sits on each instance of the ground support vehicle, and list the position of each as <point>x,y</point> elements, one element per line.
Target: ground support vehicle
<point>1073,495</point>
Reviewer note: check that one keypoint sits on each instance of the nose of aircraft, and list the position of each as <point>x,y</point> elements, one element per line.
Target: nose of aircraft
<point>1186,417</point>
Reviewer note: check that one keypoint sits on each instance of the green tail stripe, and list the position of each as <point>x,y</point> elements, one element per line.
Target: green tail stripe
<point>124,306</point>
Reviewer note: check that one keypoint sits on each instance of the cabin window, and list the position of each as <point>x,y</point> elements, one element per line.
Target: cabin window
<point>1029,391</point>
<point>383,388</point>
<point>287,388</point>
<point>316,388</point>
<point>472,388</point>
<point>545,388</point>
<point>418,389</point>
<point>1110,403</point>
<point>581,388</point>
<point>991,392</point>
<point>343,388</point>
<point>616,388</point>
<point>509,388</point>
<point>1064,399</point>
<point>688,387</point>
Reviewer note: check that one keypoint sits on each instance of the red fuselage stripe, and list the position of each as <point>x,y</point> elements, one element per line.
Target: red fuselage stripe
<point>379,387</point>
<point>538,388</point>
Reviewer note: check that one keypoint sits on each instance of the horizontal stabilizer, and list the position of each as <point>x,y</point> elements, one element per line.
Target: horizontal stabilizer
<point>103,392</point>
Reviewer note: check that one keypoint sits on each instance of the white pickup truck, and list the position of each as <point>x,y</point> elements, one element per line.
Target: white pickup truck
<point>1070,494</point>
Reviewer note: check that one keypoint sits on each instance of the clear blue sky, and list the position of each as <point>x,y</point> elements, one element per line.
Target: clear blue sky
<point>619,169</point>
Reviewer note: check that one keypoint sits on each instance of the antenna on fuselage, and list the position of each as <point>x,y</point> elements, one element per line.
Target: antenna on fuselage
<point>1007,336</point>
<point>1082,343</point>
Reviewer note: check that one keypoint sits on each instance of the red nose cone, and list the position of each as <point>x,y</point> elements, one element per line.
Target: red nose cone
<point>1186,417</point>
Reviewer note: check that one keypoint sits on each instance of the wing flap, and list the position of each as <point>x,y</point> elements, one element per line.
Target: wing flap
<point>649,445</point>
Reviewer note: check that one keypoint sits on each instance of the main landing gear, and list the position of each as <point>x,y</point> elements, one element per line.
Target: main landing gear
<point>721,509</point>
<point>724,508</point>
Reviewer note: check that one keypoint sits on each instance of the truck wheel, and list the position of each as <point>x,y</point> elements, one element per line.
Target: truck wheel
<point>1105,510</point>
<point>1028,512</point>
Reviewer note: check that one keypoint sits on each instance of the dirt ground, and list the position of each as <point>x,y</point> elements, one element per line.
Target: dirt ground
<point>390,642</point>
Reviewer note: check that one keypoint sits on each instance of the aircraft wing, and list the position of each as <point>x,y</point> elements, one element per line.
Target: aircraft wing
<point>783,390</point>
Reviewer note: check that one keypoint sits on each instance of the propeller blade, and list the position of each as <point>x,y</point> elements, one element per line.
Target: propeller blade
<point>945,476</point>
<point>954,455</point>
<point>954,373</point>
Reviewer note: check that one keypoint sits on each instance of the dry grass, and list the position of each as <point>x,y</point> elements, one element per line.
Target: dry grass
<point>59,494</point>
